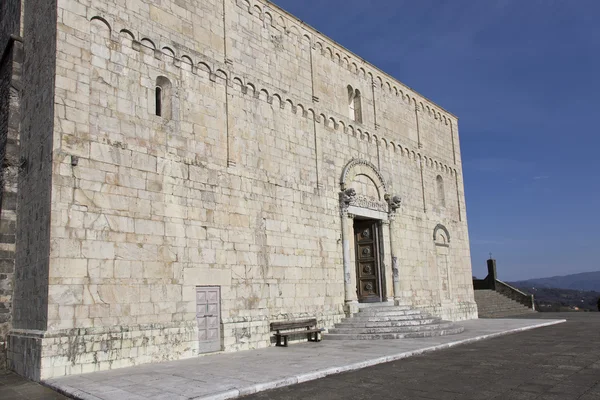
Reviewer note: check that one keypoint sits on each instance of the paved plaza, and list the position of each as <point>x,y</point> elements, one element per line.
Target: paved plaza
<point>560,361</point>
<point>225,376</point>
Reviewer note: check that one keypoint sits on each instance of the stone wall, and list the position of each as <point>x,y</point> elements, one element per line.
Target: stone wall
<point>10,75</point>
<point>236,185</point>
<point>34,183</point>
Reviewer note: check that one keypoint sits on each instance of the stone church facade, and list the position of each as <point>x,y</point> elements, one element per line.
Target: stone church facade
<point>187,172</point>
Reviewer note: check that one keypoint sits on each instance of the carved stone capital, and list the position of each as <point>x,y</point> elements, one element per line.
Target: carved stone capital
<point>346,197</point>
<point>394,203</point>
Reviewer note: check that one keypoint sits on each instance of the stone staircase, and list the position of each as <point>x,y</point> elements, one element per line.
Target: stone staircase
<point>492,304</point>
<point>382,321</point>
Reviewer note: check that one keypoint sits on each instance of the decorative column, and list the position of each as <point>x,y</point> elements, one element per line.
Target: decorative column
<point>394,203</point>
<point>351,304</point>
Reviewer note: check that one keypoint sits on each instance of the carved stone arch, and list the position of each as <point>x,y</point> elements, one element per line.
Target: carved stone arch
<point>185,59</point>
<point>277,101</point>
<point>293,30</point>
<point>441,235</point>
<point>103,21</point>
<point>127,32</point>
<point>148,43</point>
<point>263,94</point>
<point>268,19</point>
<point>166,50</point>
<point>246,5</point>
<point>363,167</point>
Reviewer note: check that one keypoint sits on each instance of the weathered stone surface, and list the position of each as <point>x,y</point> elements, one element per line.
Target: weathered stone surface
<point>11,51</point>
<point>236,184</point>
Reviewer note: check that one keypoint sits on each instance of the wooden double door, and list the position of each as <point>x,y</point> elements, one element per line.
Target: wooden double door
<point>369,266</point>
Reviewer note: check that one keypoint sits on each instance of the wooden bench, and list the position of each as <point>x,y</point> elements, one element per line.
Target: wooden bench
<point>306,327</point>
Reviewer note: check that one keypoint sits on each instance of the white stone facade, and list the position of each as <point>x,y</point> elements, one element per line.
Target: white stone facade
<point>237,184</point>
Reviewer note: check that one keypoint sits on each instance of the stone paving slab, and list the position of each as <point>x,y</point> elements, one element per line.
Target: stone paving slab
<point>14,387</point>
<point>231,375</point>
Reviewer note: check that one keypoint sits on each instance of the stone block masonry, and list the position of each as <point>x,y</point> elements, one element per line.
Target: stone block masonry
<point>186,144</point>
<point>11,57</point>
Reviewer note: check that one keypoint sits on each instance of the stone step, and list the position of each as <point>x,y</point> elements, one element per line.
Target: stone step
<point>382,307</point>
<point>405,335</point>
<point>350,323</point>
<point>491,304</point>
<point>501,306</point>
<point>505,314</point>
<point>389,321</point>
<point>384,313</point>
<point>503,310</point>
<point>513,312</point>
<point>375,318</point>
<point>495,306</point>
<point>393,329</point>
<point>505,301</point>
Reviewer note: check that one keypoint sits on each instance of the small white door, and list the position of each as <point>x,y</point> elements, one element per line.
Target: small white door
<point>208,314</point>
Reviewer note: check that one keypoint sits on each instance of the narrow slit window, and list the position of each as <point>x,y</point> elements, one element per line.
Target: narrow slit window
<point>159,101</point>
<point>357,107</point>
<point>351,103</point>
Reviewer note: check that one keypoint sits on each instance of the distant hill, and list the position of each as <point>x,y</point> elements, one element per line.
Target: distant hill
<point>583,281</point>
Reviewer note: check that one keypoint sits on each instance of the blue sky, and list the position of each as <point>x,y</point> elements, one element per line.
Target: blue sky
<point>523,77</point>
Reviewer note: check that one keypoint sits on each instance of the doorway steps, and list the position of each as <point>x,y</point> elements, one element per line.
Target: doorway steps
<point>380,321</point>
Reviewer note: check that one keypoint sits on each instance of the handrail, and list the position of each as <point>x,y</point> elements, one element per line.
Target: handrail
<point>515,294</point>
<point>512,288</point>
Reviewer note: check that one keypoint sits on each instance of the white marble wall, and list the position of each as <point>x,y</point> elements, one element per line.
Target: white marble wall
<point>239,188</point>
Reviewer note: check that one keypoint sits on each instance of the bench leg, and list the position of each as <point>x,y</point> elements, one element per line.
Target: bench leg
<point>285,341</point>
<point>278,337</point>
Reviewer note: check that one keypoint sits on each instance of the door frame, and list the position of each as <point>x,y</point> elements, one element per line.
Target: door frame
<point>205,347</point>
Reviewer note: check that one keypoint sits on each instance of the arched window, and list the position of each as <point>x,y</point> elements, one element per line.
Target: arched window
<point>163,98</point>
<point>354,104</point>
<point>441,195</point>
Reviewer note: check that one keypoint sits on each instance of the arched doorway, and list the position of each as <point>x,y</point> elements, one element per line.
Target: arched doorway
<point>365,212</point>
